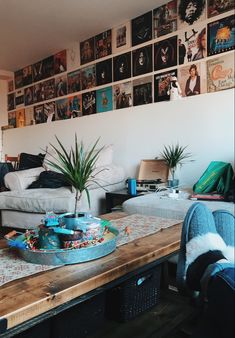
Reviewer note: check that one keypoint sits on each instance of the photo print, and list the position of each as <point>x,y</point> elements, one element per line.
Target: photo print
<point>20,118</point>
<point>12,119</point>
<point>49,111</point>
<point>60,62</point>
<point>38,94</point>
<point>221,35</point>
<point>11,101</point>
<point>220,73</point>
<point>121,37</point>
<point>74,81</point>
<point>37,71</point>
<point>104,72</point>
<point>122,95</point>
<point>104,99</point>
<point>122,66</point>
<point>141,28</point>
<point>48,67</point>
<point>75,106</point>
<point>49,89</point>
<point>29,116</point>
<point>19,98</point>
<point>165,19</point>
<point>10,84</point>
<point>89,103</point>
<point>88,77</point>
<point>39,116</point>
<point>142,91</point>
<point>192,79</point>
<point>191,12</point>
<point>162,85</point>
<point>142,62</point>
<point>87,50</point>
<point>192,45</point>
<point>62,110</point>
<point>165,53</point>
<point>27,76</point>
<point>216,7</point>
<point>103,44</point>
<point>61,85</point>
<point>28,96</point>
<point>19,79</point>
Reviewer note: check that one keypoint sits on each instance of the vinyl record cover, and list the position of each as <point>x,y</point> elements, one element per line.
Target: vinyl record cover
<point>121,37</point>
<point>38,93</point>
<point>192,79</point>
<point>19,79</point>
<point>141,28</point>
<point>49,89</point>
<point>165,53</point>
<point>19,98</point>
<point>165,19</point>
<point>48,67</point>
<point>216,7</point>
<point>88,77</point>
<point>87,50</point>
<point>104,99</point>
<point>60,62</point>
<point>20,118</point>
<point>39,115</point>
<point>142,62</point>
<point>221,35</point>
<point>89,103</point>
<point>192,45</point>
<point>142,91</point>
<point>10,84</point>
<point>73,56</point>
<point>162,85</point>
<point>49,111</point>
<point>11,101</point>
<point>27,76</point>
<point>220,73</point>
<point>103,44</point>
<point>62,110</point>
<point>104,72</point>
<point>29,116</point>
<point>37,71</point>
<point>122,66</point>
<point>190,12</point>
<point>122,95</point>
<point>28,96</point>
<point>61,85</point>
<point>75,106</point>
<point>74,81</point>
<point>12,119</point>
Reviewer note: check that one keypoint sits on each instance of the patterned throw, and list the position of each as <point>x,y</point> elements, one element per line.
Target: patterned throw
<point>130,227</point>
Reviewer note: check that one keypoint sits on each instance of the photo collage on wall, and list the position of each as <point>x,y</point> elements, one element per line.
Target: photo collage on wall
<point>181,40</point>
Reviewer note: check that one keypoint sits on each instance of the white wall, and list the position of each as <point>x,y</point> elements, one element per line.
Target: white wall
<point>205,123</point>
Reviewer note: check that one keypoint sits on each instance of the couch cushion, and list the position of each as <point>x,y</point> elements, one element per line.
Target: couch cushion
<point>29,161</point>
<point>20,180</point>
<point>49,179</point>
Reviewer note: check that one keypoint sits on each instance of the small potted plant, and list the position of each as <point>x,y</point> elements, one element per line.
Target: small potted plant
<point>174,156</point>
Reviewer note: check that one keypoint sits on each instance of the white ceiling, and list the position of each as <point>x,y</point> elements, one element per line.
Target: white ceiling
<point>31,30</point>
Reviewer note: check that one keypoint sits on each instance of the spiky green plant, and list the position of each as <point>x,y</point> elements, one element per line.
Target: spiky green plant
<point>174,156</point>
<point>77,165</point>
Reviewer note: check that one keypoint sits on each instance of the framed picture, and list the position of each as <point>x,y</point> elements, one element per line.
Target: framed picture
<point>142,91</point>
<point>192,45</point>
<point>104,72</point>
<point>29,116</point>
<point>19,98</point>
<point>60,62</point>
<point>103,44</point>
<point>142,28</point>
<point>11,101</point>
<point>74,81</point>
<point>220,73</point>
<point>10,84</point>
<point>87,50</point>
<point>37,71</point>
<point>221,35</point>
<point>88,77</point>
<point>122,95</point>
<point>165,19</point>
<point>216,7</point>
<point>27,76</point>
<point>12,119</point>
<point>19,79</point>
<point>39,116</point>
<point>122,66</point>
<point>162,85</point>
<point>191,12</point>
<point>28,96</point>
<point>49,111</point>
<point>165,53</point>
<point>20,118</point>
<point>89,103</point>
<point>61,85</point>
<point>121,37</point>
<point>62,110</point>
<point>48,68</point>
<point>75,106</point>
<point>142,60</point>
<point>192,79</point>
<point>48,88</point>
<point>104,99</point>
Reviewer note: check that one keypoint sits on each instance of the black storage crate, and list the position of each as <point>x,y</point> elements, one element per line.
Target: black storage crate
<point>133,297</point>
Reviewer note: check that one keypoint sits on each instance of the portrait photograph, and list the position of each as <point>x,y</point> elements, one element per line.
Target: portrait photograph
<point>165,53</point>
<point>10,85</point>
<point>48,67</point>
<point>19,79</point>
<point>121,37</point>
<point>12,119</point>
<point>104,72</point>
<point>39,116</point>
<point>122,95</point>
<point>142,91</point>
<point>88,77</point>
<point>19,98</point>
<point>104,99</point>
<point>122,66</point>
<point>221,35</point>
<point>192,79</point>
<point>27,76</point>
<point>162,85</point>
<point>216,7</point>
<point>49,111</point>
<point>49,89</point>
<point>20,118</point>
<point>28,96</point>
<point>60,62</point>
<point>190,12</point>
<point>87,50</point>
<point>103,44</point>
<point>62,110</point>
<point>29,116</point>
<point>89,103</point>
<point>74,81</point>
<point>165,19</point>
<point>75,105</point>
<point>38,93</point>
<point>142,62</point>
<point>141,28</point>
<point>61,85</point>
<point>11,101</point>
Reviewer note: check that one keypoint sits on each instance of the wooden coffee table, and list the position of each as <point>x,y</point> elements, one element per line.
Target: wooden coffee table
<point>29,300</point>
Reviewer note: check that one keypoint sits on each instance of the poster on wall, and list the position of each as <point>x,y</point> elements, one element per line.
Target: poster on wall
<point>89,103</point>
<point>27,76</point>
<point>49,111</point>
<point>165,19</point>
<point>39,116</point>
<point>12,119</point>
<point>19,98</point>
<point>121,37</point>
<point>122,95</point>
<point>62,110</point>
<point>88,77</point>
<point>28,96</point>
<point>220,73</point>
<point>104,72</point>
<point>18,79</point>
<point>48,67</point>
<point>192,45</point>
<point>142,91</point>
<point>61,85</point>
<point>73,56</point>
<point>103,44</point>
<point>104,99</point>
<point>165,53</point>
<point>142,62</point>
<point>191,12</point>
<point>87,50</point>
<point>216,7</point>
<point>162,85</point>
<point>29,116</point>
<point>75,106</point>
<point>38,94</point>
<point>74,81</point>
<point>122,66</point>
<point>192,79</point>
<point>37,71</point>
<point>48,87</point>
<point>60,62</point>
<point>11,101</point>
<point>141,28</point>
<point>10,85</point>
<point>221,35</point>
<point>20,118</point>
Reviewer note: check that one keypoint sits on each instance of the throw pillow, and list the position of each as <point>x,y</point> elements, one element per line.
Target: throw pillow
<point>49,179</point>
<point>30,161</point>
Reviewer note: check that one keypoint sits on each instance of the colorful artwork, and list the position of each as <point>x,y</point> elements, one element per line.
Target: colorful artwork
<point>19,98</point>
<point>216,7</point>
<point>49,111</point>
<point>12,119</point>
<point>74,82</point>
<point>104,98</point>
<point>165,19</point>
<point>60,62</point>
<point>75,106</point>
<point>20,118</point>
<point>220,73</point>
<point>88,77</point>
<point>192,79</point>
<point>122,66</point>
<point>27,75</point>
<point>48,67</point>
<point>141,28</point>
<point>142,60</point>
<point>39,116</point>
<point>221,35</point>
<point>104,72</point>
<point>37,71</point>
<point>162,85</point>
<point>61,85</point>
<point>89,103</point>
<point>87,50</point>
<point>103,44</point>
<point>29,116</point>
<point>165,53</point>
<point>11,101</point>
<point>62,110</point>
<point>48,88</point>
<point>142,91</point>
<point>191,12</point>
<point>28,96</point>
<point>122,95</point>
<point>121,37</point>
<point>19,79</point>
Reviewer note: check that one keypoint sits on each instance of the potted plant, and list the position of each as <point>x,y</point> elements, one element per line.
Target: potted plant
<point>174,156</point>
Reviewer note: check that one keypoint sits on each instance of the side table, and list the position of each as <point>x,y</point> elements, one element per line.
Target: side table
<point>114,198</point>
